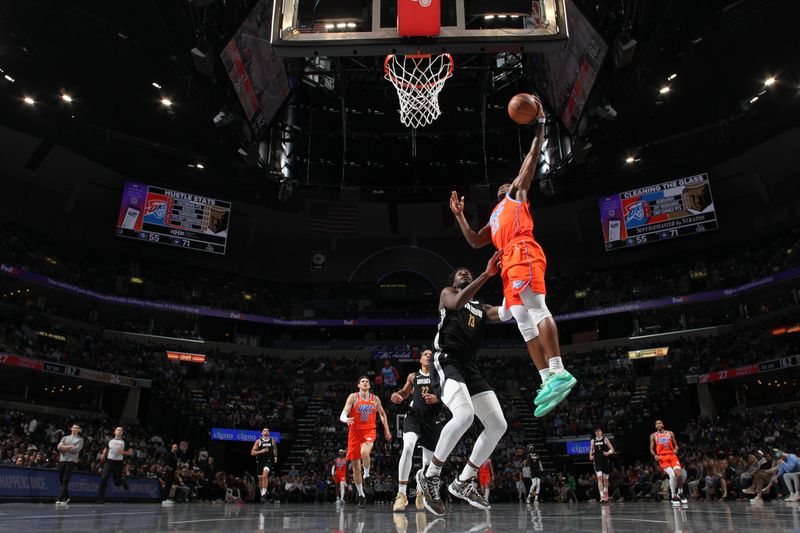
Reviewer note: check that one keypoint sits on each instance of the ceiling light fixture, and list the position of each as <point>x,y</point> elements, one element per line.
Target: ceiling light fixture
<point>341,25</point>
<point>9,78</point>
<point>166,102</point>
<point>672,77</point>
<point>753,99</point>
<point>201,166</point>
<point>351,24</point>
<point>330,26</point>
<point>769,81</point>
<point>664,89</point>
<point>28,100</point>
<point>488,17</point>
<point>156,85</point>
<point>629,159</point>
<point>67,98</point>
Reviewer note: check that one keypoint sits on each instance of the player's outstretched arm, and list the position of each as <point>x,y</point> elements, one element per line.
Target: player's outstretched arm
<point>476,239</point>
<point>522,183</point>
<point>610,446</point>
<point>454,299</point>
<point>348,405</point>
<point>405,392</point>
<point>384,420</point>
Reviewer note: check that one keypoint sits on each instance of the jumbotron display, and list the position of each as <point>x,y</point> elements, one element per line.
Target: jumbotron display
<point>658,212</point>
<point>175,218</point>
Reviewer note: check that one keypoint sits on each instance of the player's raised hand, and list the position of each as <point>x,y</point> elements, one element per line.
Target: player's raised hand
<point>456,205</point>
<point>396,398</point>
<point>493,266</point>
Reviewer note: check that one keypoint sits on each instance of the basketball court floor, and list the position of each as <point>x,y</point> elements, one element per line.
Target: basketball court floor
<point>616,517</point>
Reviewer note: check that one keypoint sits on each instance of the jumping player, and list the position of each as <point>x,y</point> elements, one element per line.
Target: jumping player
<point>265,450</point>
<point>485,478</point>
<point>464,389</point>
<point>339,473</point>
<point>664,449</point>
<point>510,229</point>
<point>423,422</point>
<point>599,452</point>
<point>359,414</point>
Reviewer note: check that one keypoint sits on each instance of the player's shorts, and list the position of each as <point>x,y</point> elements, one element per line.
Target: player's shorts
<point>340,480</point>
<point>462,369</point>
<point>484,480</point>
<point>668,461</point>
<point>524,265</point>
<point>357,437</point>
<point>602,467</point>
<point>427,427</point>
<point>261,464</point>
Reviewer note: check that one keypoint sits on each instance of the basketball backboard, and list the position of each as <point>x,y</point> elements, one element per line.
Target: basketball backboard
<point>307,28</point>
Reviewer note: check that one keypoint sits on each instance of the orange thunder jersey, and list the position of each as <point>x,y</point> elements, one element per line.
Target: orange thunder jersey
<point>341,468</point>
<point>363,412</point>
<point>664,443</point>
<point>510,221</point>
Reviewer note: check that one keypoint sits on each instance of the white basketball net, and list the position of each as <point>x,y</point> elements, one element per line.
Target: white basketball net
<point>418,80</point>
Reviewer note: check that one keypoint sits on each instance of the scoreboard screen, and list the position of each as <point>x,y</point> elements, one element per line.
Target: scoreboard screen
<point>175,218</point>
<point>658,212</point>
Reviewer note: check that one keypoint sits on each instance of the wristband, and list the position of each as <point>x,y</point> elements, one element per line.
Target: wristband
<point>542,120</point>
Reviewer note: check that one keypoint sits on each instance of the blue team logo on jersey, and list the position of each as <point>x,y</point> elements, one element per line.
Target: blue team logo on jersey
<point>518,284</point>
<point>664,440</point>
<point>365,409</point>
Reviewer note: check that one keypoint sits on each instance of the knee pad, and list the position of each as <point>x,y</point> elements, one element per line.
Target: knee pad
<point>536,306</point>
<point>409,442</point>
<point>489,412</point>
<point>525,325</point>
<point>456,394</point>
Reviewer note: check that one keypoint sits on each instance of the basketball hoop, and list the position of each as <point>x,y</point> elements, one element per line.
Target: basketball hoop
<point>418,79</point>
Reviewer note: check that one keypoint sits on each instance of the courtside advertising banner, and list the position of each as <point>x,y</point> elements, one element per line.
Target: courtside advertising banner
<point>23,482</point>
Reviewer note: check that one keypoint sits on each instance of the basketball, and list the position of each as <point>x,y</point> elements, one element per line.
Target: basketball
<point>523,108</point>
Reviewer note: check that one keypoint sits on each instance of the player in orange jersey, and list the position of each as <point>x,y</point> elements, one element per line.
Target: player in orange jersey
<point>664,449</point>
<point>485,477</point>
<point>510,229</point>
<point>359,414</point>
<point>339,473</point>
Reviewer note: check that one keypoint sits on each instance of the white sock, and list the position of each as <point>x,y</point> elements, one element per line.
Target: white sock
<point>366,471</point>
<point>360,489</point>
<point>543,374</point>
<point>556,366</point>
<point>468,473</point>
<point>486,494</point>
<point>342,488</point>
<point>402,488</point>
<point>433,470</point>
<point>673,485</point>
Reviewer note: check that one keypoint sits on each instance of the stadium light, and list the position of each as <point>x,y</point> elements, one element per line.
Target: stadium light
<point>664,90</point>
<point>769,81</point>
<point>672,77</point>
<point>156,85</point>
<point>67,98</point>
<point>166,102</point>
<point>28,100</point>
<point>629,159</point>
<point>9,78</point>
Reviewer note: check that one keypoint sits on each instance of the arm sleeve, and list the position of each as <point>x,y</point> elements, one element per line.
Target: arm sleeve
<point>343,417</point>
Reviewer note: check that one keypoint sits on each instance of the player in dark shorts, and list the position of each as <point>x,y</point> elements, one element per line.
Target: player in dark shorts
<point>422,423</point>
<point>464,390</point>
<point>599,452</point>
<point>265,450</point>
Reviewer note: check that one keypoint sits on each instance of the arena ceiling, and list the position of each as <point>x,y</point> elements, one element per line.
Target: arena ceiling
<point>118,60</point>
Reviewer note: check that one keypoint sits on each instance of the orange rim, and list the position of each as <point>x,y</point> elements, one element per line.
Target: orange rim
<point>406,85</point>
